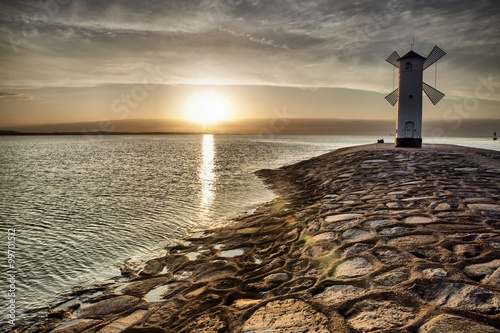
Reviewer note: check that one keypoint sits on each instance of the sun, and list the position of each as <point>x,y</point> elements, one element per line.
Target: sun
<point>207,108</point>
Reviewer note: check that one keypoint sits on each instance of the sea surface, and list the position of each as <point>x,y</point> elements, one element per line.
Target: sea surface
<point>80,207</point>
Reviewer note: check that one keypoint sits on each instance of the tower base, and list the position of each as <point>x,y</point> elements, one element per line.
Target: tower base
<point>408,142</point>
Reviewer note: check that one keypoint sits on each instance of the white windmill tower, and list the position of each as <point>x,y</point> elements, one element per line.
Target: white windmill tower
<point>409,94</point>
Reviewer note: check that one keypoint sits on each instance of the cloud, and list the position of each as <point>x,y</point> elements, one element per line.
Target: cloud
<point>8,96</point>
<point>309,43</point>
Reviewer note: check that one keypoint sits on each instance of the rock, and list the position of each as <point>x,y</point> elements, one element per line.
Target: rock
<point>461,296</point>
<point>337,294</point>
<point>352,268</point>
<point>341,217</point>
<point>324,237</point>
<point>413,241</point>
<point>121,324</point>
<point>494,279</point>
<point>76,326</point>
<point>417,220</point>
<point>454,324</point>
<point>467,250</point>
<point>277,278</point>
<point>370,315</point>
<point>394,231</point>
<point>245,303</point>
<point>113,305</point>
<point>141,288</point>
<point>435,272</point>
<point>491,207</point>
<point>375,161</point>
<point>206,324</point>
<point>484,270</point>
<point>152,267</point>
<point>466,169</point>
<point>287,316</point>
<point>442,206</point>
<point>390,257</point>
<point>377,223</point>
<point>356,249</point>
<point>356,235</point>
<point>393,277</point>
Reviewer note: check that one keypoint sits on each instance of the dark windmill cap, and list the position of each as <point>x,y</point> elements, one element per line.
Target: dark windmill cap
<point>412,54</point>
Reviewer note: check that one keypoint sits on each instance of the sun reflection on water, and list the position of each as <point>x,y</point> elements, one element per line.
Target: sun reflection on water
<point>207,176</point>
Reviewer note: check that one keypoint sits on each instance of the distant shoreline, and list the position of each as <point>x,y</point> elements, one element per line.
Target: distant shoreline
<point>108,133</point>
<point>15,133</point>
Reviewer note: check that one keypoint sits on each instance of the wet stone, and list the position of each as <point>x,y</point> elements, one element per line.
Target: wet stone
<point>345,175</point>
<point>394,231</point>
<point>342,225</point>
<point>417,220</point>
<point>341,217</point>
<point>121,324</point>
<point>443,206</point>
<point>460,296</point>
<point>467,250</point>
<point>493,280</point>
<point>466,169</point>
<point>352,268</point>
<point>393,277</point>
<point>435,272</point>
<point>77,325</point>
<point>277,278</point>
<point>356,235</point>
<point>356,249</point>
<point>324,237</point>
<point>375,161</point>
<point>152,267</point>
<point>389,257</point>
<point>140,288</point>
<point>286,316</point>
<point>478,200</point>
<point>113,305</point>
<point>454,324</point>
<point>413,240</point>
<point>245,303</point>
<point>426,197</point>
<point>484,270</point>
<point>377,223</point>
<point>397,193</point>
<point>488,207</point>
<point>206,324</point>
<point>337,294</point>
<point>370,315</point>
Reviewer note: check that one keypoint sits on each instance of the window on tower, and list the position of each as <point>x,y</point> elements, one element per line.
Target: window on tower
<point>408,65</point>
<point>410,97</point>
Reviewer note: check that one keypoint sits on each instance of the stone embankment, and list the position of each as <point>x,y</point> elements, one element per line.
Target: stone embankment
<point>366,239</point>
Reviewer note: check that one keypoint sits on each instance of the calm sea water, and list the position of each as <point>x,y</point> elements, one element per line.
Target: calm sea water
<point>81,207</point>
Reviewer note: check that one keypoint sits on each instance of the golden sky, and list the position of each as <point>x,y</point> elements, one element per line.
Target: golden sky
<point>75,61</point>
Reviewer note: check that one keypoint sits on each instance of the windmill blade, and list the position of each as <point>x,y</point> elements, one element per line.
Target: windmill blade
<point>434,56</point>
<point>393,97</point>
<point>433,94</point>
<point>393,59</point>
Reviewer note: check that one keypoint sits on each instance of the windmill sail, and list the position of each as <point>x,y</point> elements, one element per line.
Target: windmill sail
<point>393,59</point>
<point>393,97</point>
<point>433,94</point>
<point>434,56</point>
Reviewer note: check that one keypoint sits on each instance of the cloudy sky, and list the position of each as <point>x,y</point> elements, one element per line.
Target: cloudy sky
<point>76,61</point>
